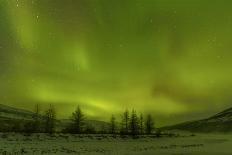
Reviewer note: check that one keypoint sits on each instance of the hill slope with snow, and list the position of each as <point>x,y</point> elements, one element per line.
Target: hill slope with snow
<point>7,112</point>
<point>221,122</point>
<point>11,118</point>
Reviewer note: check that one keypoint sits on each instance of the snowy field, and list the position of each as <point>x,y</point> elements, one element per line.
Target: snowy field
<point>201,144</point>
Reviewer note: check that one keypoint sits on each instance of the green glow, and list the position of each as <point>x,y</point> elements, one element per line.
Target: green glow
<point>171,58</point>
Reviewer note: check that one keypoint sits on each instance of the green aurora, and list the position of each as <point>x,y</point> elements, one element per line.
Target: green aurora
<point>171,58</point>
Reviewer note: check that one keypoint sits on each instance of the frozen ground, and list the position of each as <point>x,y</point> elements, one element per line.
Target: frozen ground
<point>201,144</point>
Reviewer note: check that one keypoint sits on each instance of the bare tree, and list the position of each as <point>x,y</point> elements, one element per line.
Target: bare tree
<point>134,124</point>
<point>37,119</point>
<point>78,119</point>
<point>149,124</point>
<point>50,120</point>
<point>33,125</point>
<point>125,122</point>
<point>113,125</point>
<point>141,124</point>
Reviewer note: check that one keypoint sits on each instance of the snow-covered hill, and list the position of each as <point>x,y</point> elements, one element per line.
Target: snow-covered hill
<point>7,112</point>
<point>11,117</point>
<point>221,122</point>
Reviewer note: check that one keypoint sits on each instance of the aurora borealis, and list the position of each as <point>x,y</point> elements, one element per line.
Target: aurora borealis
<point>171,58</point>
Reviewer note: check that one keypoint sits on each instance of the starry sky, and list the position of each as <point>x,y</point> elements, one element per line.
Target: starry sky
<point>170,58</point>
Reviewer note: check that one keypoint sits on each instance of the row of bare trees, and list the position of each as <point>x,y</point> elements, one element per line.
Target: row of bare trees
<point>132,124</point>
<point>45,122</point>
<point>129,124</point>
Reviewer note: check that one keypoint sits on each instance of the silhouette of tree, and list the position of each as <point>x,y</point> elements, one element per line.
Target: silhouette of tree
<point>78,119</point>
<point>149,124</point>
<point>134,124</point>
<point>50,120</point>
<point>125,122</point>
<point>141,124</point>
<point>37,119</point>
<point>113,125</point>
<point>33,125</point>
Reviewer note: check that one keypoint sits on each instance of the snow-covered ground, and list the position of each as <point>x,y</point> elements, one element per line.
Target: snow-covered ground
<point>201,144</point>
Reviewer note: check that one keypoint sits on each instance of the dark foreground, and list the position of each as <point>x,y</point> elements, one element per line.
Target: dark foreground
<point>201,144</point>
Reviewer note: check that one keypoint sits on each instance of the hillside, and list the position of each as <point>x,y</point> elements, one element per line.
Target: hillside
<point>7,112</point>
<point>221,122</point>
<point>12,118</point>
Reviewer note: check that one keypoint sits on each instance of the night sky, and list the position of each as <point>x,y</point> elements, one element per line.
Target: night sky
<point>171,58</point>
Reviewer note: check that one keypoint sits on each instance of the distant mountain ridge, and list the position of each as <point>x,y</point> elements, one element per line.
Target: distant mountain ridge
<point>221,122</point>
<point>8,112</point>
<point>10,116</point>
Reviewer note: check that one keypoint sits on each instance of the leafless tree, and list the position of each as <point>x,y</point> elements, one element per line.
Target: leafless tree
<point>149,124</point>
<point>113,125</point>
<point>134,124</point>
<point>78,119</point>
<point>50,120</point>
<point>37,119</point>
<point>125,122</point>
<point>141,124</point>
